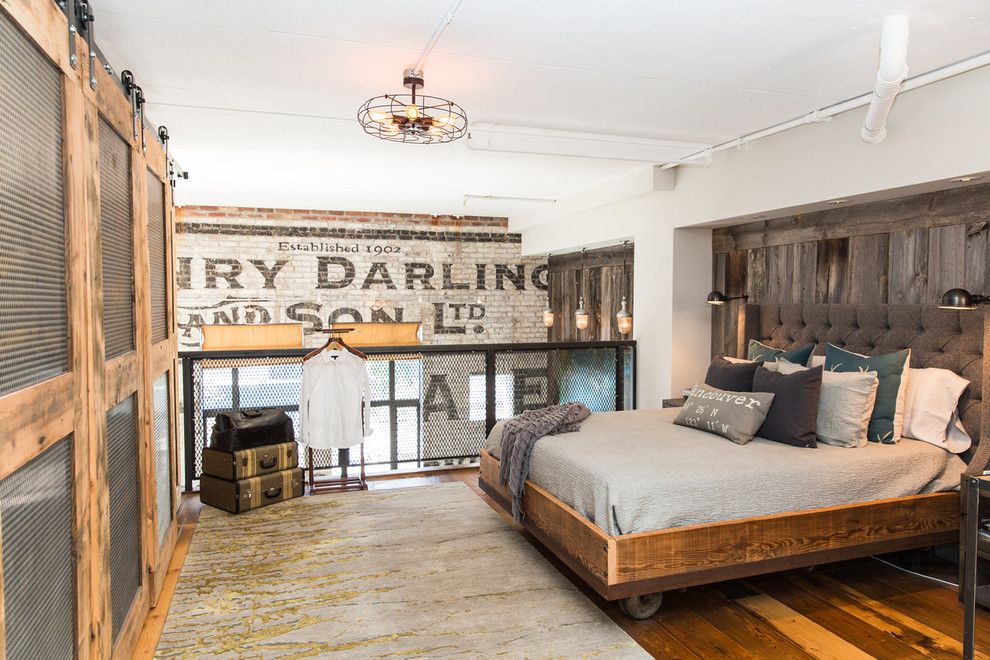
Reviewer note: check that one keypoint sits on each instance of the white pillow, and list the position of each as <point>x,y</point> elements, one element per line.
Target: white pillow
<point>817,361</point>
<point>930,408</point>
<point>845,405</point>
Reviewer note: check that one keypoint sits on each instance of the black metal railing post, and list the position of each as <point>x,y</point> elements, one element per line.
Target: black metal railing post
<point>489,391</point>
<point>620,379</point>
<point>188,441</point>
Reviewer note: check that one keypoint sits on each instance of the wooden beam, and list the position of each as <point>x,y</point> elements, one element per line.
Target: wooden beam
<point>123,378</point>
<point>34,419</point>
<point>824,531</point>
<point>583,542</point>
<point>47,27</point>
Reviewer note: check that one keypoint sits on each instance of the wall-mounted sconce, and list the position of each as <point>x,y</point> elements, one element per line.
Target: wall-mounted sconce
<point>960,299</point>
<point>719,298</point>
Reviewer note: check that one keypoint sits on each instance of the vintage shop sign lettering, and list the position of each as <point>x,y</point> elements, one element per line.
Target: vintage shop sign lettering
<point>342,266</point>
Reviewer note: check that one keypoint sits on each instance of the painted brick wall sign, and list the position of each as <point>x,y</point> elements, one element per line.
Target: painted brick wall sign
<point>463,278</point>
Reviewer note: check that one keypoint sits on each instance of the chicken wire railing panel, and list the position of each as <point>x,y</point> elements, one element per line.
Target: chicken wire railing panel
<point>454,407</point>
<point>39,600</point>
<point>429,405</point>
<point>578,373</point>
<point>34,331</point>
<point>163,454</point>
<point>125,509</point>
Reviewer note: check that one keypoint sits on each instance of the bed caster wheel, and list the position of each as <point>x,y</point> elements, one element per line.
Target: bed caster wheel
<point>641,607</point>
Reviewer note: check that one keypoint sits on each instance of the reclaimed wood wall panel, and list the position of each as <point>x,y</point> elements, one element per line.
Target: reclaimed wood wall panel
<point>906,251</point>
<point>604,284</point>
<point>907,276</point>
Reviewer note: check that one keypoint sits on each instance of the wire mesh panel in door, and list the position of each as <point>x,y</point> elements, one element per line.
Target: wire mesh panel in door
<point>163,454</point>
<point>33,322</point>
<point>125,508</point>
<point>39,582</point>
<point>157,233</point>
<point>117,242</point>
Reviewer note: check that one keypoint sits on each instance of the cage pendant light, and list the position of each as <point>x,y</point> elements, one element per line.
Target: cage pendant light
<point>624,318</point>
<point>548,315</point>
<point>581,315</point>
<point>413,118</point>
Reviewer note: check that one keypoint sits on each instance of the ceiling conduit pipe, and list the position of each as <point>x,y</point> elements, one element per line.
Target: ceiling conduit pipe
<point>826,113</point>
<point>890,75</point>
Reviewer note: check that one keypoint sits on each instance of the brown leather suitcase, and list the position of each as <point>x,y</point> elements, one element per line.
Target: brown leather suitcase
<point>245,463</point>
<point>251,493</point>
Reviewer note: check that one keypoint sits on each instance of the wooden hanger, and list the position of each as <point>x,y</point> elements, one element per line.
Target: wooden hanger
<point>336,342</point>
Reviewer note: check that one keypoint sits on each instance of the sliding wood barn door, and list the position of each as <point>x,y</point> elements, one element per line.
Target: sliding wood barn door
<point>87,350</point>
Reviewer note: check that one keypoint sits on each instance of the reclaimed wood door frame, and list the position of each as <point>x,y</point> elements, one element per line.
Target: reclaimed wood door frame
<point>76,402</point>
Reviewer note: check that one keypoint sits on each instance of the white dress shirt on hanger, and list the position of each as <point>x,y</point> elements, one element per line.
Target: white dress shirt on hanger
<point>334,401</point>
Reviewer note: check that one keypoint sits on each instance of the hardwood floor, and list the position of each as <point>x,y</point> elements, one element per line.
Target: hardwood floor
<point>856,609</point>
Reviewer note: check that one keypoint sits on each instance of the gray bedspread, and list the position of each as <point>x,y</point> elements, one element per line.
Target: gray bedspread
<point>636,471</point>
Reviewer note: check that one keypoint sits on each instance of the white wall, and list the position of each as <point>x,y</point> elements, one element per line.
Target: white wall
<point>935,133</point>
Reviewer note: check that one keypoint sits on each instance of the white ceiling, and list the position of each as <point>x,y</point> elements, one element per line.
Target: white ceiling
<point>260,97</point>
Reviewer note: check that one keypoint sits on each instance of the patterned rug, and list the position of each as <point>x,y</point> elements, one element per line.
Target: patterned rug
<point>429,571</point>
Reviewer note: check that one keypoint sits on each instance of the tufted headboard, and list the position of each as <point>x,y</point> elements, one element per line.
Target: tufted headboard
<point>936,337</point>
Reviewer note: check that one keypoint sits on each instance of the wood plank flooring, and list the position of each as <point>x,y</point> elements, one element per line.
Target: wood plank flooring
<point>855,609</point>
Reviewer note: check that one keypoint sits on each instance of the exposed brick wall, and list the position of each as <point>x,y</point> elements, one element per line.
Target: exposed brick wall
<point>463,278</point>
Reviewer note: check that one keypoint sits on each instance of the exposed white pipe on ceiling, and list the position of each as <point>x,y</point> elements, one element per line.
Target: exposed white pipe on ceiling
<point>823,114</point>
<point>891,73</point>
<point>529,140</point>
<point>445,20</point>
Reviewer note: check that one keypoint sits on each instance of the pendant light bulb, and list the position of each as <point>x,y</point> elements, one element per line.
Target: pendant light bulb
<point>548,315</point>
<point>412,112</point>
<point>581,315</point>
<point>624,319</point>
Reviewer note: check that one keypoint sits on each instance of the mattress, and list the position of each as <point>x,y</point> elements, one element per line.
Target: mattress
<point>636,471</point>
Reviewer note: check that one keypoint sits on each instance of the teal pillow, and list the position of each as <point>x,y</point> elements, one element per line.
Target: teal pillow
<point>762,353</point>
<point>891,370</point>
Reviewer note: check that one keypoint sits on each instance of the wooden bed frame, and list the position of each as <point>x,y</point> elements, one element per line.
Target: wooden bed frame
<point>637,568</point>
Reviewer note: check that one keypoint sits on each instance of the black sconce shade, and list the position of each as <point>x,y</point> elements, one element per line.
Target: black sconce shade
<point>719,298</point>
<point>961,299</point>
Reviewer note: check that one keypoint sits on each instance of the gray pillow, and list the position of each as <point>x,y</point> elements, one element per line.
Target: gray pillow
<point>845,405</point>
<point>733,415</point>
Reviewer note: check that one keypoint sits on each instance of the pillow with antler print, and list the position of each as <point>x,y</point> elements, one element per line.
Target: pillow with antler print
<point>733,415</point>
<point>891,369</point>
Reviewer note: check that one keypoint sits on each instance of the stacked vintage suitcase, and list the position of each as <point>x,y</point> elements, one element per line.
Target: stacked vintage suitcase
<point>252,461</point>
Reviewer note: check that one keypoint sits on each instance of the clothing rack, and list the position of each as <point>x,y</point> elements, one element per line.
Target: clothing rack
<point>344,482</point>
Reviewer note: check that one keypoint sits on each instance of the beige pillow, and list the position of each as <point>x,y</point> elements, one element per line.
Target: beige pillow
<point>845,405</point>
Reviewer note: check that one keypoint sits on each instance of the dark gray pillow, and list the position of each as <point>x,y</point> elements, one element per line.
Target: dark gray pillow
<point>731,377</point>
<point>793,417</point>
<point>732,415</point>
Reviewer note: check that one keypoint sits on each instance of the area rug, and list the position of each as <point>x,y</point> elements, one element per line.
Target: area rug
<point>427,571</point>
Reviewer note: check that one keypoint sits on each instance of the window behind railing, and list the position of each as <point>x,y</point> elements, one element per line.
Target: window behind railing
<point>431,405</point>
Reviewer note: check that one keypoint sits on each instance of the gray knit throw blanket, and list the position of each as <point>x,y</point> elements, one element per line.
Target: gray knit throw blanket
<point>520,434</point>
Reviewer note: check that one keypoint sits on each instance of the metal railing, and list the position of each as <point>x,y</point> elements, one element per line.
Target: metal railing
<point>431,405</point>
